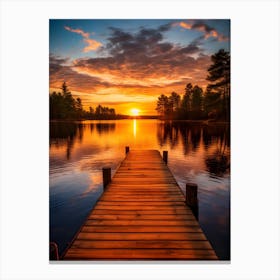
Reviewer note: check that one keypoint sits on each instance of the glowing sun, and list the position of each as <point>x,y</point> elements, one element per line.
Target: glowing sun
<point>134,112</point>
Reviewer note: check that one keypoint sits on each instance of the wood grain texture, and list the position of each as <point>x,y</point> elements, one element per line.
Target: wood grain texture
<point>141,215</point>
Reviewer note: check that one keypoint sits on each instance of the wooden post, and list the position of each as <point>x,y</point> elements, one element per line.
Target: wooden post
<point>106,176</point>
<point>126,149</point>
<point>53,251</point>
<point>165,156</point>
<point>191,198</point>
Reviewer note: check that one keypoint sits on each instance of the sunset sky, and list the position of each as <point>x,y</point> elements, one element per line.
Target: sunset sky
<point>127,64</point>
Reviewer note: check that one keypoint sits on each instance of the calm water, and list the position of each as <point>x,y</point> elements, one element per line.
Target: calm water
<point>79,150</point>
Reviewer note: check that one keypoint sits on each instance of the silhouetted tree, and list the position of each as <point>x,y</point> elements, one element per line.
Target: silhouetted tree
<point>64,106</point>
<point>174,101</point>
<point>186,101</point>
<point>112,111</point>
<point>69,102</point>
<point>162,105</point>
<point>79,108</point>
<point>219,76</point>
<point>57,107</point>
<point>171,107</point>
<point>104,113</point>
<point>212,103</point>
<point>196,99</point>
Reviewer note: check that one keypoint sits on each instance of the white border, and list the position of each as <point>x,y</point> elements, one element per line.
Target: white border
<point>255,138</point>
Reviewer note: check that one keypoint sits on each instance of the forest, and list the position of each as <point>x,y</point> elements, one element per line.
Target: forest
<point>196,104</point>
<point>63,106</point>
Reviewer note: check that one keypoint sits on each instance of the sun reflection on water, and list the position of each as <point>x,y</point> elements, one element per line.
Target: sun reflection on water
<point>134,128</point>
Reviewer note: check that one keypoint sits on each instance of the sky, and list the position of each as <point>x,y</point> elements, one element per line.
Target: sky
<point>127,64</point>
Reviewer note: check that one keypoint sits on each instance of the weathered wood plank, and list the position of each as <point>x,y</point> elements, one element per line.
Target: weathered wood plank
<point>141,244</point>
<point>142,188</point>
<point>155,229</point>
<point>192,222</point>
<point>142,217</point>
<point>151,203</point>
<point>154,254</point>
<point>141,236</point>
<point>144,192</point>
<point>133,181</point>
<point>99,211</point>
<point>121,199</point>
<point>162,209</point>
<point>164,185</point>
<point>143,197</point>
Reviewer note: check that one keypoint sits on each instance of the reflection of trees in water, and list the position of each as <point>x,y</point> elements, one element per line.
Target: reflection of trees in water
<point>91,126</point>
<point>172,132</point>
<point>195,137</point>
<point>216,133</point>
<point>62,130</point>
<point>191,136</point>
<point>186,138</point>
<point>207,137</point>
<point>70,144</point>
<point>66,133</point>
<point>218,162</point>
<point>104,128</point>
<point>167,132</point>
<point>80,132</point>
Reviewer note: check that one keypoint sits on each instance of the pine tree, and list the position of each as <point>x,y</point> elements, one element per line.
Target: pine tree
<point>219,76</point>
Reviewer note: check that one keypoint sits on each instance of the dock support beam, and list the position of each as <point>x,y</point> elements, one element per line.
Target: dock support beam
<point>106,176</point>
<point>191,198</point>
<point>126,149</point>
<point>165,156</point>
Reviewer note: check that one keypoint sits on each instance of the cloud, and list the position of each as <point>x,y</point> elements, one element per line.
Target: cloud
<point>185,25</point>
<point>91,44</point>
<point>201,26</point>
<point>53,59</point>
<point>78,31</point>
<point>165,27</point>
<point>60,70</point>
<point>141,63</point>
<point>143,59</point>
<point>56,63</point>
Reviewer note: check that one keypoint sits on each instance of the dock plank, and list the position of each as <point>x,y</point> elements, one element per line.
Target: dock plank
<point>140,254</point>
<point>141,215</point>
<point>141,244</point>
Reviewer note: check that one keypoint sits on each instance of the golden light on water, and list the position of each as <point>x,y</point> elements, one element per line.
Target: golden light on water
<point>134,127</point>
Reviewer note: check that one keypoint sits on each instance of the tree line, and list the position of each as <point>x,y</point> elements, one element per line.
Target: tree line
<point>196,104</point>
<point>63,106</point>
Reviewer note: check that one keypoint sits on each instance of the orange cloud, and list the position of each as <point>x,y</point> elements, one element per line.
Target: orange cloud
<point>92,44</point>
<point>185,25</point>
<point>204,28</point>
<point>78,31</point>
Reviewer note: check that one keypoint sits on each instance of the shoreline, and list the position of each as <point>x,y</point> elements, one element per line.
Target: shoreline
<point>190,122</point>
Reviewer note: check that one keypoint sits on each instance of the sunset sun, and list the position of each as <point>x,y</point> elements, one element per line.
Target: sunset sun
<point>134,112</point>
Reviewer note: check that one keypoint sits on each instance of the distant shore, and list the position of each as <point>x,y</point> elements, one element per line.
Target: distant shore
<point>190,122</point>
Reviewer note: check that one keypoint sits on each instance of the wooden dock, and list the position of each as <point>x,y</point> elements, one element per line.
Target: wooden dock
<point>141,215</point>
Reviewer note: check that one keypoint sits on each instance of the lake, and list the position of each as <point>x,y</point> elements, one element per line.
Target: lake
<point>196,153</point>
